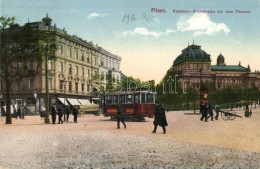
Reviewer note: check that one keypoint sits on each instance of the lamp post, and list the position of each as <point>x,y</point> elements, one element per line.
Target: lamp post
<point>200,70</point>
<point>64,88</point>
<point>47,103</point>
<point>35,96</point>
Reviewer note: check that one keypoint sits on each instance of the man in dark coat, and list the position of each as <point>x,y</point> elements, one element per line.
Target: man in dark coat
<point>68,113</point>
<point>120,115</point>
<point>75,114</point>
<point>217,111</point>
<point>60,114</point>
<point>160,118</point>
<point>53,114</point>
<point>204,112</point>
<point>211,112</point>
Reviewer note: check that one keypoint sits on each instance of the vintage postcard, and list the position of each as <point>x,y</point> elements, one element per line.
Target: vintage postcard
<point>129,84</point>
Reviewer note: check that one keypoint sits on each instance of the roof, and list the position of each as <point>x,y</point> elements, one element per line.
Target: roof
<point>220,56</point>
<point>228,68</point>
<point>192,53</point>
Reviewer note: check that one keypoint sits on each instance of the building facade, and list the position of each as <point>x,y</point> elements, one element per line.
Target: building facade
<point>194,67</point>
<point>70,74</point>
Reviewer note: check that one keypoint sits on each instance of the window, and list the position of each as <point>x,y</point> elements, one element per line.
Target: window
<point>76,55</point>
<point>115,99</point>
<point>61,85</point>
<point>95,61</point>
<point>129,98</point>
<point>70,69</point>
<point>82,56</point>
<point>87,73</point>
<point>50,83</point>
<point>82,87</point>
<point>101,62</point>
<point>60,49</point>
<point>87,87</point>
<point>19,65</point>
<point>61,67</point>
<point>149,98</point>
<point>69,52</point>
<point>76,70</point>
<point>31,65</point>
<point>122,98</point>
<point>70,87</point>
<point>87,58</point>
<point>82,72</point>
<point>77,87</point>
<point>49,64</point>
<point>102,75</point>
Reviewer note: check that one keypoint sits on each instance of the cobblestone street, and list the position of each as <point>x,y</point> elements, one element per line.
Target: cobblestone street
<point>94,142</point>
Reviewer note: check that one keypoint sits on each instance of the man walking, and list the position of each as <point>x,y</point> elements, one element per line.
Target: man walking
<point>204,112</point>
<point>120,115</point>
<point>160,118</point>
<point>53,114</point>
<point>217,111</point>
<point>211,112</point>
<point>60,114</point>
<point>68,113</point>
<point>75,114</point>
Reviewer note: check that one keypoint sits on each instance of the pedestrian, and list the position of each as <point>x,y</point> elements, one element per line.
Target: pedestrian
<point>120,115</point>
<point>247,113</point>
<point>160,118</point>
<point>19,112</point>
<point>60,114</point>
<point>217,111</point>
<point>68,113</point>
<point>211,112</point>
<point>204,113</point>
<point>53,114</point>
<point>22,112</point>
<point>75,114</point>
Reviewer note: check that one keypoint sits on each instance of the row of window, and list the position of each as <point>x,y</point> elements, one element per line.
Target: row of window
<point>81,57</point>
<point>193,66</point>
<point>109,64</point>
<point>82,86</point>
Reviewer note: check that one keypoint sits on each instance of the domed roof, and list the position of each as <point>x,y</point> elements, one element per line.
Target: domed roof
<point>220,56</point>
<point>192,53</point>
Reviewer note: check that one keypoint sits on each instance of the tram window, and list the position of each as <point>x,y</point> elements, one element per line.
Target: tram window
<point>115,99</point>
<point>137,100</point>
<point>129,98</point>
<point>109,99</point>
<point>122,98</point>
<point>143,98</point>
<point>149,98</point>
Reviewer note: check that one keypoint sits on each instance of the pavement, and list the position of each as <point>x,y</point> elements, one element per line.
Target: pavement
<point>94,142</point>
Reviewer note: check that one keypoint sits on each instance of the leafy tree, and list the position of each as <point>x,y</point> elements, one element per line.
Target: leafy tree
<point>18,47</point>
<point>23,51</point>
<point>169,90</point>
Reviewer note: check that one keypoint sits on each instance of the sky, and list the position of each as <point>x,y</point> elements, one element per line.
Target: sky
<point>148,40</point>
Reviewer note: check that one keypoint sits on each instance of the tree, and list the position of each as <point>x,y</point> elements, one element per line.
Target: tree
<point>169,90</point>
<point>23,50</point>
<point>19,46</point>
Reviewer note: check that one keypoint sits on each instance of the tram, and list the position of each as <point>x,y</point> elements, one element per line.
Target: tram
<point>137,104</point>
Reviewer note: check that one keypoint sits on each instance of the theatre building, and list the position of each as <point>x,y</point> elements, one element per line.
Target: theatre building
<point>70,74</point>
<point>194,67</point>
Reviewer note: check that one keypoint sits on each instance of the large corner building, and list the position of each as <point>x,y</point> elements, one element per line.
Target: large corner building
<point>70,75</point>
